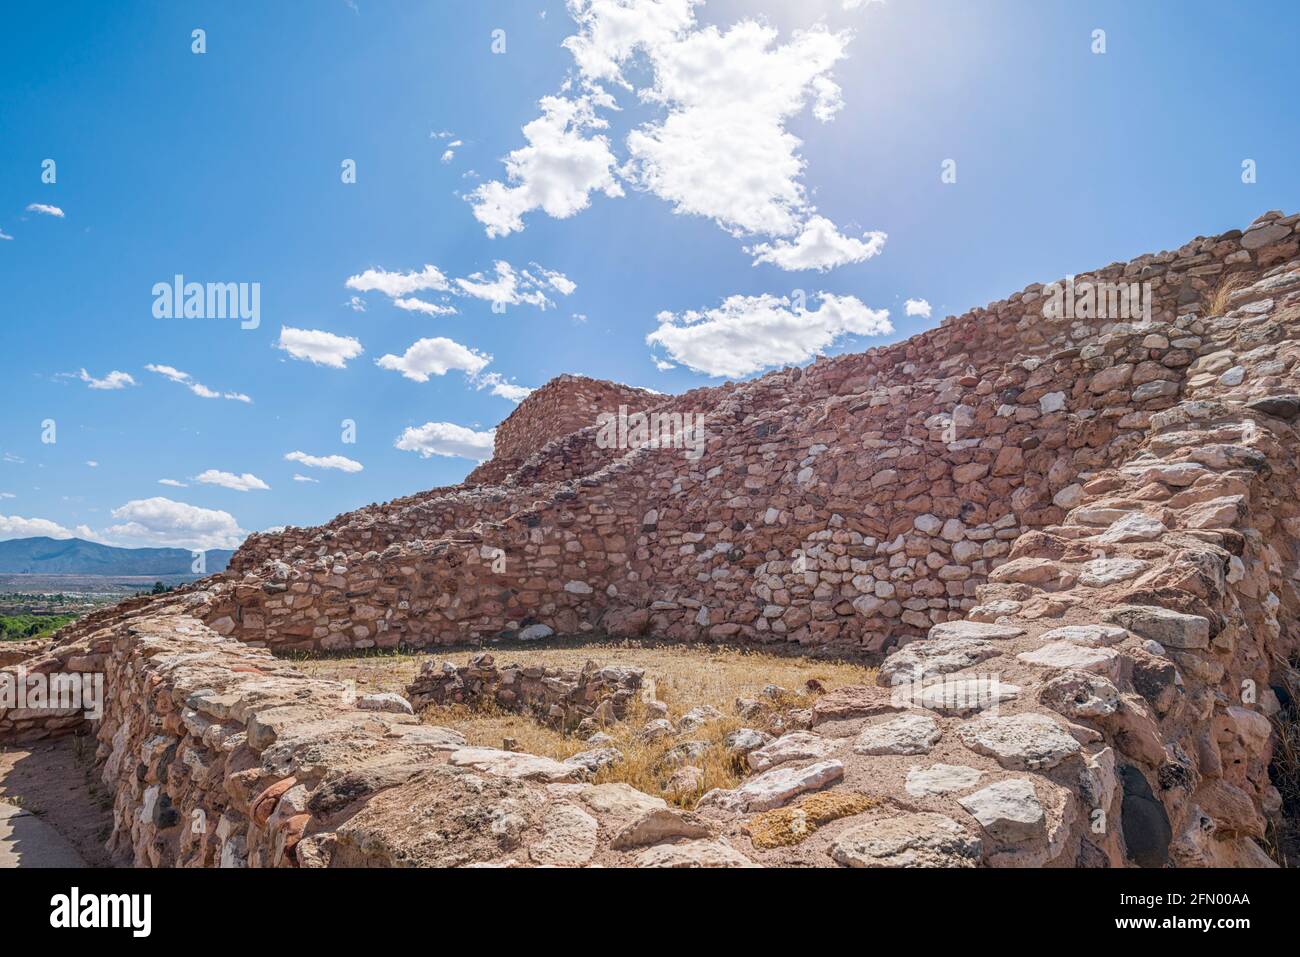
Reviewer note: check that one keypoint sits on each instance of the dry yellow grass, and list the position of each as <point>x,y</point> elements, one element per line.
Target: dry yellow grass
<point>787,826</point>
<point>1216,303</point>
<point>684,676</point>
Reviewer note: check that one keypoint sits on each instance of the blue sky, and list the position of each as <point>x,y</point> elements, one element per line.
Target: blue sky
<point>697,165</point>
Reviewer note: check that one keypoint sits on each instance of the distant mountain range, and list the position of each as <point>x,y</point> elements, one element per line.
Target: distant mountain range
<point>75,556</point>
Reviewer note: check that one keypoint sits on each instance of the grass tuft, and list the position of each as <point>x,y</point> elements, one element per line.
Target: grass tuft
<point>1216,303</point>
<point>787,826</point>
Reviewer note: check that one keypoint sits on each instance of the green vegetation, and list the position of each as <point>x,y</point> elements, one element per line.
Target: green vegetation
<point>23,627</point>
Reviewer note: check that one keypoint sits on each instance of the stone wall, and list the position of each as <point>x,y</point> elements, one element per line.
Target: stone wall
<point>854,503</point>
<point>564,405</point>
<point>563,698</point>
<point>218,755</point>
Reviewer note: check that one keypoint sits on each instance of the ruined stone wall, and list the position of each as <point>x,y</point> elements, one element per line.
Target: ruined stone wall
<point>854,503</point>
<point>565,404</point>
<point>566,698</point>
<point>216,754</point>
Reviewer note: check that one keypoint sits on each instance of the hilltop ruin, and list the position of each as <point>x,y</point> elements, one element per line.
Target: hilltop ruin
<point>1097,514</point>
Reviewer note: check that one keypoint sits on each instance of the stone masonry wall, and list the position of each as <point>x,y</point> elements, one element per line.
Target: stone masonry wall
<point>219,755</point>
<point>561,697</point>
<point>855,503</point>
<point>565,404</point>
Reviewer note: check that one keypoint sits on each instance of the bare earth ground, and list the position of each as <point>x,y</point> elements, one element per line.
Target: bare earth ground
<point>684,677</point>
<point>54,781</point>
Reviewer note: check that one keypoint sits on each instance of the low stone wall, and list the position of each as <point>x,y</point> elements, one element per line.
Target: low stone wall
<point>219,755</point>
<point>561,697</point>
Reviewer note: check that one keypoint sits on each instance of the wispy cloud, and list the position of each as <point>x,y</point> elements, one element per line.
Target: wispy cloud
<point>45,210</point>
<point>508,287</point>
<point>198,388</point>
<point>339,462</point>
<point>496,383</point>
<point>412,304</point>
<point>394,284</point>
<point>505,286</point>
<point>114,380</point>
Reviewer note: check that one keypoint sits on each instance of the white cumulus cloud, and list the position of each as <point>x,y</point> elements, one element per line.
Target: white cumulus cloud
<point>447,439</point>
<point>435,356</point>
<point>319,347</point>
<point>162,521</point>
<point>239,483</point>
<point>15,526</point>
<point>821,246</point>
<point>719,146</point>
<point>749,333</point>
<point>556,172</point>
<point>45,210</point>
<point>917,307</point>
<point>723,150</point>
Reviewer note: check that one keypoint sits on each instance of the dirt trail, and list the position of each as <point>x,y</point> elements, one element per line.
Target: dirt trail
<point>67,817</point>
